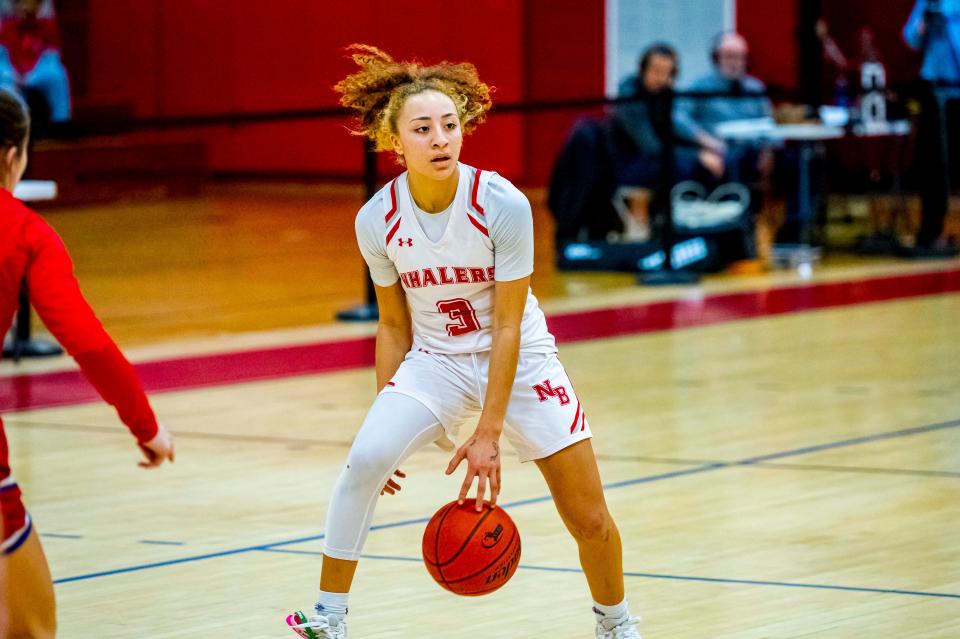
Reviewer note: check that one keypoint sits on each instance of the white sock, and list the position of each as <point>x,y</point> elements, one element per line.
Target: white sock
<point>611,614</point>
<point>332,603</point>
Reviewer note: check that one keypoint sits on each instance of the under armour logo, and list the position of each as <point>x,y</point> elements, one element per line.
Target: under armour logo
<point>405,241</point>
<point>545,391</point>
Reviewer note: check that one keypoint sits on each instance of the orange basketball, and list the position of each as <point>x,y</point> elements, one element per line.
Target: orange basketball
<point>468,552</point>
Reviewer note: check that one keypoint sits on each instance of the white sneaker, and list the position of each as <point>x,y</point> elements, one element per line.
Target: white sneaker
<point>625,629</point>
<point>318,626</point>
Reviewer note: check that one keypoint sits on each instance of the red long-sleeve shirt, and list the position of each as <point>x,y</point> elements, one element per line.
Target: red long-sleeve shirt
<point>27,38</point>
<point>31,250</point>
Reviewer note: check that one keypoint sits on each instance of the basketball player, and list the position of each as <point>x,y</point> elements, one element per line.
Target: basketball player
<point>31,250</point>
<point>461,337</point>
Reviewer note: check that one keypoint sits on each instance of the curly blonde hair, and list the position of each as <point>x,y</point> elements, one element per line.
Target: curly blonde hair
<point>378,91</point>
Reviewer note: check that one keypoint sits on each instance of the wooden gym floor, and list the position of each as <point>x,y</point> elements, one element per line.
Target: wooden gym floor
<point>782,456</point>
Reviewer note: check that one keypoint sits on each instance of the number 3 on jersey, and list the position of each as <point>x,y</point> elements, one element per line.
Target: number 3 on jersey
<point>461,311</point>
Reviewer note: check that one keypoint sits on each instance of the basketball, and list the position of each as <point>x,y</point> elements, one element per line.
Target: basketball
<point>471,553</point>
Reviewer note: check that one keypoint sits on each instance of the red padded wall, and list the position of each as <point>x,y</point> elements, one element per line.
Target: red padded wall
<point>771,30</point>
<point>168,58</point>
<point>564,59</point>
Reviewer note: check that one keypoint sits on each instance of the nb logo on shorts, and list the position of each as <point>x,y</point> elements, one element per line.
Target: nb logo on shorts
<point>545,391</point>
<point>405,241</point>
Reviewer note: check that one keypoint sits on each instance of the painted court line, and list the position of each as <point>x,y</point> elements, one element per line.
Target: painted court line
<point>116,429</point>
<point>655,575</point>
<point>645,459</point>
<point>524,502</point>
<point>62,388</point>
<point>158,564</point>
<point>906,472</point>
<point>854,442</point>
<point>866,470</point>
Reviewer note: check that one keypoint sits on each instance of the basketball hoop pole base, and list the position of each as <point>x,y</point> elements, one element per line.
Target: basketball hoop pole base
<point>19,343</point>
<point>368,312</point>
<point>668,278</point>
<point>662,205</point>
<point>15,349</point>
<point>362,313</point>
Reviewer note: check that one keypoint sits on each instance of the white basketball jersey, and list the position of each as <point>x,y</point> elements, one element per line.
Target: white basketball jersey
<point>449,283</point>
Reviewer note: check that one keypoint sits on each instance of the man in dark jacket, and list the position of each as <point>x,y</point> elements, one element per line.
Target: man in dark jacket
<point>624,149</point>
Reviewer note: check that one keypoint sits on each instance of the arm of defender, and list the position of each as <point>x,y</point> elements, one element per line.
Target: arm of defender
<point>55,293</point>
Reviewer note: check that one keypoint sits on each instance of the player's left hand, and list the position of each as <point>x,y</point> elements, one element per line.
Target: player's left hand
<point>482,452</point>
<point>392,487</point>
<point>158,449</point>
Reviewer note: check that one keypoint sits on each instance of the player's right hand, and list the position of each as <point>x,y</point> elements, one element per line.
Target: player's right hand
<point>482,453</point>
<point>157,449</point>
<point>712,162</point>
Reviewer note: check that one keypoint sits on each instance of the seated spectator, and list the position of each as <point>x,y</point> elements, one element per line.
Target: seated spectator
<point>742,97</point>
<point>30,55</point>
<point>642,127</point>
<point>608,183</point>
<point>622,149</point>
<point>729,55</point>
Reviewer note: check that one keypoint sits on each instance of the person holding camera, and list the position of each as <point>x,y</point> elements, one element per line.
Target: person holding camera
<point>934,29</point>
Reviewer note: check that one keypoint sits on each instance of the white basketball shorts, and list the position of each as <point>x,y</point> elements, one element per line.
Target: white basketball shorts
<point>544,414</point>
